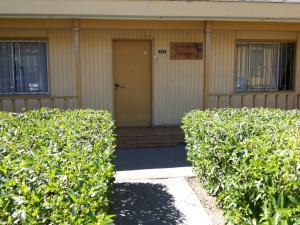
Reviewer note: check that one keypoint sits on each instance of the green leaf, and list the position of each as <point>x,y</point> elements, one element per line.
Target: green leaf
<point>294,199</point>
<point>280,201</point>
<point>18,200</point>
<point>72,196</point>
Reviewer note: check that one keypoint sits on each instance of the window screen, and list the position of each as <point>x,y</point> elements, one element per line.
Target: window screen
<point>23,67</point>
<point>264,66</point>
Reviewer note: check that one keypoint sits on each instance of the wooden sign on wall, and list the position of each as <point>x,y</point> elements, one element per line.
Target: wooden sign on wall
<point>186,50</point>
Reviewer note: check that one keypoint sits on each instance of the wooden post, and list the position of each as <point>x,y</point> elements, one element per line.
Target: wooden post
<point>207,54</point>
<point>65,103</point>
<point>53,102</point>
<point>242,101</point>
<point>76,31</point>
<point>40,102</point>
<point>276,101</point>
<point>25,103</point>
<point>13,101</point>
<point>266,101</point>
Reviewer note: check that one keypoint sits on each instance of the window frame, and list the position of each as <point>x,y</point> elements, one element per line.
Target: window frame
<point>21,40</point>
<point>265,41</point>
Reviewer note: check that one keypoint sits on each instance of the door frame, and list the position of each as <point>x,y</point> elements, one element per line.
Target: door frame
<point>151,40</point>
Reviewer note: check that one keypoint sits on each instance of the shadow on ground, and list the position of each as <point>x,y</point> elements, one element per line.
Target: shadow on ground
<point>144,204</point>
<point>151,158</point>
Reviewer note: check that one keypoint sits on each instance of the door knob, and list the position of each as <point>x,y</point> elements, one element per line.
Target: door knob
<point>117,86</point>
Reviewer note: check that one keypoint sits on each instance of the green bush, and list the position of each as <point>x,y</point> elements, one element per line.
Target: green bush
<point>56,167</point>
<point>249,159</point>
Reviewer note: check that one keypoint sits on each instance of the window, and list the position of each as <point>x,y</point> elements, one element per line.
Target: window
<point>264,66</point>
<point>23,67</point>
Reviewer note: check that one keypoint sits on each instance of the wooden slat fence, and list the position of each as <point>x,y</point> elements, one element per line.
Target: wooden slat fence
<point>10,103</point>
<point>282,100</point>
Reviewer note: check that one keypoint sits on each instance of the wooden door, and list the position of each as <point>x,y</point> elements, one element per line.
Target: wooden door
<point>132,83</point>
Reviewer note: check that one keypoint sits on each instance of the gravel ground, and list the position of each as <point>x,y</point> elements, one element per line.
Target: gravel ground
<point>208,202</point>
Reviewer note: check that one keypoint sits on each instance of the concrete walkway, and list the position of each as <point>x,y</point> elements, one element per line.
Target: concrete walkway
<point>150,193</point>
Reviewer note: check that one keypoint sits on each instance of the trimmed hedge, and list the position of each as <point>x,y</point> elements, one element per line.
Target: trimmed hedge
<point>56,167</point>
<point>249,159</point>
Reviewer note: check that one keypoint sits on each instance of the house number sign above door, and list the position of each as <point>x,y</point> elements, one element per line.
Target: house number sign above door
<point>186,50</point>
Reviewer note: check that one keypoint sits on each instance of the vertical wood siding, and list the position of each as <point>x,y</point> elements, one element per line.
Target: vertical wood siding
<point>96,69</point>
<point>222,65</point>
<point>61,63</point>
<point>177,84</point>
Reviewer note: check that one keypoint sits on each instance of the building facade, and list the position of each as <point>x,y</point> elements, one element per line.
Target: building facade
<point>149,62</point>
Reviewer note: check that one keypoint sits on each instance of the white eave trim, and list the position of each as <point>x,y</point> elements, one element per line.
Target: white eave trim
<point>146,9</point>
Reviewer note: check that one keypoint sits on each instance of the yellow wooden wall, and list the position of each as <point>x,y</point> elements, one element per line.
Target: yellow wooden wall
<point>177,84</point>
<point>61,62</point>
<point>221,76</point>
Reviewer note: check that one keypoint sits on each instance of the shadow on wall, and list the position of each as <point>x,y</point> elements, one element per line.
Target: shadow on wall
<point>144,204</point>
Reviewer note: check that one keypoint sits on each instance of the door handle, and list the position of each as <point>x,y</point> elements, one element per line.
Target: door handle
<point>117,86</point>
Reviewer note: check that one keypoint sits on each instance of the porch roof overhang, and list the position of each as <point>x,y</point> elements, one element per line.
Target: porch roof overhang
<point>153,10</point>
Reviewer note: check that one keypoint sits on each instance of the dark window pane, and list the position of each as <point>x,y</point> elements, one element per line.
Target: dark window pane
<point>285,79</point>
<point>6,77</point>
<point>30,63</point>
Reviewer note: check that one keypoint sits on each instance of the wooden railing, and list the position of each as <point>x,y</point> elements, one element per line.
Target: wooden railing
<point>19,103</point>
<point>283,100</point>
